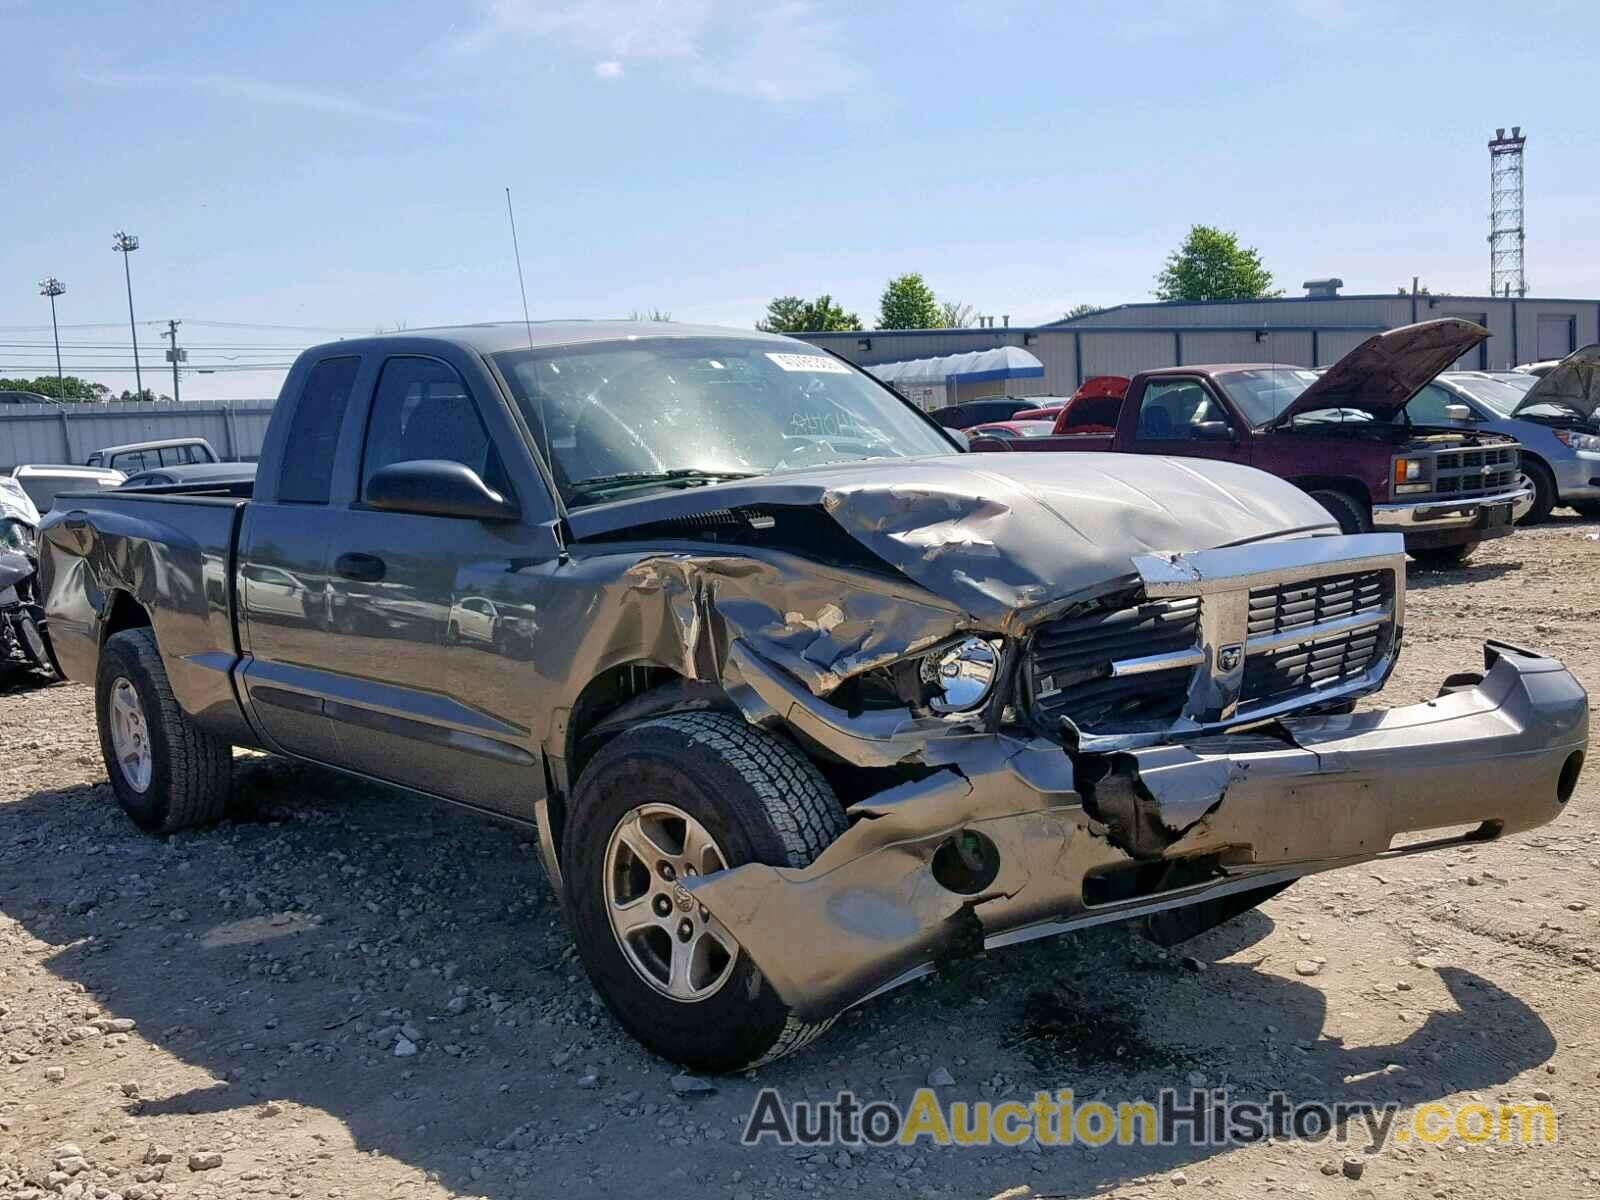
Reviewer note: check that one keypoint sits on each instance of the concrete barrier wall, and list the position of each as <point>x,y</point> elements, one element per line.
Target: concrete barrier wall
<point>69,433</point>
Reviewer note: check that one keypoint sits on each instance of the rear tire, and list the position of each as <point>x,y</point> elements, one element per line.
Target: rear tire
<point>168,773</point>
<point>1353,515</point>
<point>1443,557</point>
<point>757,799</point>
<point>1538,476</point>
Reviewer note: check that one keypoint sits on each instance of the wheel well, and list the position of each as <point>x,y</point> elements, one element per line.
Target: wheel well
<point>125,613</point>
<point>1353,488</point>
<point>605,707</point>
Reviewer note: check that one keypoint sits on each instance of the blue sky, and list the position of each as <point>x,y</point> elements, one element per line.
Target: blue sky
<point>341,166</point>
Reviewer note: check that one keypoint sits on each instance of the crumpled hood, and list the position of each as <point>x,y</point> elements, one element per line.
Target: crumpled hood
<point>995,534</point>
<point>1573,383</point>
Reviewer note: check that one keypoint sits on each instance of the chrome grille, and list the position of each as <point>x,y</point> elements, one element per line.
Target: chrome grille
<point>1480,472</point>
<point>1070,664</point>
<point>1229,654</point>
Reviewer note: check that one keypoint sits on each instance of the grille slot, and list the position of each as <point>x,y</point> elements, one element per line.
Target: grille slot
<point>1291,606</point>
<point>1069,664</point>
<point>1276,674</point>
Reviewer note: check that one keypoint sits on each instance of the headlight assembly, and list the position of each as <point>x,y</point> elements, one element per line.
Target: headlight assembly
<point>961,675</point>
<point>1579,441</point>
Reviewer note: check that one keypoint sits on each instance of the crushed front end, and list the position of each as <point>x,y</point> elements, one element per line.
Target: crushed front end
<point>1184,736</point>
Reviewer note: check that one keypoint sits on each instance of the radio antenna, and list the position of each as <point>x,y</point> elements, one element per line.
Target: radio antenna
<point>517,250</point>
<point>529,382</point>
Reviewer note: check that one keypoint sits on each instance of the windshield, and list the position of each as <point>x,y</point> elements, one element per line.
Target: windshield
<point>685,411</point>
<point>1263,393</point>
<point>1501,395</point>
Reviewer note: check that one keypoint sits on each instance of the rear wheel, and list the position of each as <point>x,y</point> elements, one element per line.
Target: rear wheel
<point>1439,557</point>
<point>167,772</point>
<point>1537,476</point>
<point>1353,515</point>
<point>674,797</point>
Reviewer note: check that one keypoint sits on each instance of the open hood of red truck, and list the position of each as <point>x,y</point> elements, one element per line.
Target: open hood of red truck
<point>1385,371</point>
<point>1573,384</point>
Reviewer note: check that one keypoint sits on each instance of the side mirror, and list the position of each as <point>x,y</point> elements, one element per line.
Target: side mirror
<point>1457,412</point>
<point>1213,431</point>
<point>436,487</point>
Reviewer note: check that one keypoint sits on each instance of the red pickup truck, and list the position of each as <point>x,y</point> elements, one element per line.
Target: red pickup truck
<point>1341,434</point>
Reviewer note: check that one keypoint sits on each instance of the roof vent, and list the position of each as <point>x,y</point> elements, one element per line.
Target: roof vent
<point>1322,289</point>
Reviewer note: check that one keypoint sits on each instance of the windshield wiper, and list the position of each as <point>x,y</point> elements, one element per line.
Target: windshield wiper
<point>680,477</point>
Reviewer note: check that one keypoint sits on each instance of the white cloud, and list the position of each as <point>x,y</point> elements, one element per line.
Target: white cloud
<point>783,53</point>
<point>236,87</point>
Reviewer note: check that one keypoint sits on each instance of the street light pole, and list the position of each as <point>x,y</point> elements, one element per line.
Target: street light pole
<point>125,244</point>
<point>53,287</point>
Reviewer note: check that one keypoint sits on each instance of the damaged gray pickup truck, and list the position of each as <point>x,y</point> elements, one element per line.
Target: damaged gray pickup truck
<point>801,698</point>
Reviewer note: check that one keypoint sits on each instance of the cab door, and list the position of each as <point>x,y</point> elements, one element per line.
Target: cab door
<point>1183,415</point>
<point>429,693</point>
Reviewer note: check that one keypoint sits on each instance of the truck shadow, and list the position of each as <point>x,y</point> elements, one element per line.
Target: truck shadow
<point>272,954</point>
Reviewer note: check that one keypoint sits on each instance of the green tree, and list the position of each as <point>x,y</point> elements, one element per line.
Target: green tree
<point>955,315</point>
<point>1211,265</point>
<point>68,388</point>
<point>908,303</point>
<point>1081,310</point>
<point>790,314</point>
<point>649,314</point>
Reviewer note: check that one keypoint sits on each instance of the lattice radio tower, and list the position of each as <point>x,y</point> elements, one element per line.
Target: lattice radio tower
<point>1506,274</point>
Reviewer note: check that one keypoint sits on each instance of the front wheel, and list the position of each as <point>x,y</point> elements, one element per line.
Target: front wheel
<point>1440,557</point>
<point>1353,515</point>
<point>674,797</point>
<point>1537,476</point>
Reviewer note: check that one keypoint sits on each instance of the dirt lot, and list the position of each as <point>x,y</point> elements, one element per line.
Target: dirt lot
<point>349,992</point>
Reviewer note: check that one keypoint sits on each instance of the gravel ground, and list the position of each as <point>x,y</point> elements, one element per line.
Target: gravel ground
<point>350,992</point>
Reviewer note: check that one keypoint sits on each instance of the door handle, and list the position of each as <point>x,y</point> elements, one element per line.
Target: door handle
<point>363,568</point>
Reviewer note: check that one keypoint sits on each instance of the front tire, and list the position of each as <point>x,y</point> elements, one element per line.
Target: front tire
<point>168,773</point>
<point>1353,515</point>
<point>1442,557</point>
<point>1537,476</point>
<point>684,792</point>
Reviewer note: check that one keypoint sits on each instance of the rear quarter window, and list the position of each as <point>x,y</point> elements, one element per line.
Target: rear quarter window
<point>314,431</point>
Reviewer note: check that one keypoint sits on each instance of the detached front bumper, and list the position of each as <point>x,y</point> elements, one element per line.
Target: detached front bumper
<point>1225,813</point>
<point>1447,522</point>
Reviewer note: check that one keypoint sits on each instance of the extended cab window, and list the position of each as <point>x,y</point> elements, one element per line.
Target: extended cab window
<point>1171,408</point>
<point>314,432</point>
<point>422,409</point>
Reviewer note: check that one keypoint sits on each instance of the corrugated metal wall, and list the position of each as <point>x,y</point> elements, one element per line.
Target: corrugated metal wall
<point>69,433</point>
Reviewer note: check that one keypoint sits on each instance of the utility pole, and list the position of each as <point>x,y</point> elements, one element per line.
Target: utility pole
<point>53,287</point>
<point>125,244</point>
<point>174,355</point>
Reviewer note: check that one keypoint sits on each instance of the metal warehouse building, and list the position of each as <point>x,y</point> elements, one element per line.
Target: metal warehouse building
<point>1310,331</point>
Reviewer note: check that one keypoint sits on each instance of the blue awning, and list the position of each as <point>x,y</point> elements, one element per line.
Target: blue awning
<point>1002,362</point>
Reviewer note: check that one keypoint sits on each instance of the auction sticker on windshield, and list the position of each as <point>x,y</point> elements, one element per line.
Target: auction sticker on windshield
<point>817,363</point>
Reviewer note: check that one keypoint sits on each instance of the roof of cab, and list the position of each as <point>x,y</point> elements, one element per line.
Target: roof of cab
<point>494,337</point>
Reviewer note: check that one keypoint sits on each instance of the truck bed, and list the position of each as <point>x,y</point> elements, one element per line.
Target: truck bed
<point>173,550</point>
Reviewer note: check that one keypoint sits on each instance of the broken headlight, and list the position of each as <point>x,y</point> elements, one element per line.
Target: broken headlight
<point>961,676</point>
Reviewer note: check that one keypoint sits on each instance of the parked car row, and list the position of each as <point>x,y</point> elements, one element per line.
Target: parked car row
<point>800,699</point>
